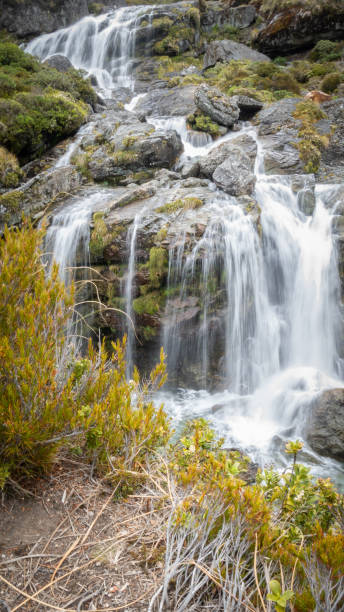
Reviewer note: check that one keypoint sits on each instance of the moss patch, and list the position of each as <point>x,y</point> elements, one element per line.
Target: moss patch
<point>101,237</point>
<point>10,173</point>
<point>203,123</point>
<point>147,304</point>
<point>12,201</point>
<point>185,204</point>
<point>311,142</point>
<point>38,105</point>
<point>157,266</point>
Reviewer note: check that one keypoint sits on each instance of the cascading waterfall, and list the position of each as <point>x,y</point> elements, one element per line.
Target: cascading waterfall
<point>104,46</point>
<point>280,321</point>
<point>265,298</point>
<point>67,244</point>
<point>129,290</point>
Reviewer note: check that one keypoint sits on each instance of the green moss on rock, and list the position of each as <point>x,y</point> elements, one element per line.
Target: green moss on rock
<point>10,173</point>
<point>203,123</point>
<point>147,304</point>
<point>330,83</point>
<point>38,105</point>
<point>12,201</point>
<point>311,142</point>
<point>157,265</point>
<point>176,205</point>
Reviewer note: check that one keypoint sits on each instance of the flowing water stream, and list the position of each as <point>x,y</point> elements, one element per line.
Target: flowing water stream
<point>277,288</point>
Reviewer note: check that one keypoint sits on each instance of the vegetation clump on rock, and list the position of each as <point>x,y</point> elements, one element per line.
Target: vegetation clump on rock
<point>38,105</point>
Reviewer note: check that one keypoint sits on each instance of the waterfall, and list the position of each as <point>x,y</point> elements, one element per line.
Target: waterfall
<point>104,46</point>
<point>67,243</point>
<point>252,320</point>
<point>129,290</point>
<point>275,294</point>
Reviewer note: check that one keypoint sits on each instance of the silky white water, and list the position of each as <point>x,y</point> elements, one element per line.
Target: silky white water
<point>265,291</point>
<point>104,46</point>
<point>129,290</point>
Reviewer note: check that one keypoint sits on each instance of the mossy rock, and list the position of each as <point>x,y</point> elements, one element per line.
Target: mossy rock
<point>100,236</point>
<point>157,265</point>
<point>326,51</point>
<point>38,105</point>
<point>10,173</point>
<point>147,304</point>
<point>310,142</point>
<point>330,83</point>
<point>203,123</point>
<point>177,205</point>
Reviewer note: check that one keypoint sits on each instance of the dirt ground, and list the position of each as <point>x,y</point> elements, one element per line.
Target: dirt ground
<point>73,547</point>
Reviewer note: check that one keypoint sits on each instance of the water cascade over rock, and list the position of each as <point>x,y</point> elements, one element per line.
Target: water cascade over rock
<point>233,270</point>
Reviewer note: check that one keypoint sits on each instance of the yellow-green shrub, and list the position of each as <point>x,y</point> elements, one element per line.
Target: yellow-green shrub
<point>48,392</point>
<point>34,405</point>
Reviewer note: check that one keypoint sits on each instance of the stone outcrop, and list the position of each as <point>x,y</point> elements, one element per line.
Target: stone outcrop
<point>167,102</point>
<point>37,194</point>
<point>227,50</point>
<point>297,28</point>
<point>126,146</point>
<point>59,62</point>
<point>34,17</point>
<point>235,175</point>
<point>219,107</point>
<point>325,427</point>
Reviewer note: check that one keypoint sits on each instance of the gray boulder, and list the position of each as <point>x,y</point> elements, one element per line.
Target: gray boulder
<point>145,149</point>
<point>278,115</point>
<point>217,156</point>
<point>247,106</point>
<point>227,50</point>
<point>235,175</point>
<point>167,102</point>
<point>59,62</point>
<point>335,112</point>
<point>34,17</point>
<point>242,16</point>
<point>217,105</point>
<point>325,427</point>
<point>280,154</point>
<point>35,195</point>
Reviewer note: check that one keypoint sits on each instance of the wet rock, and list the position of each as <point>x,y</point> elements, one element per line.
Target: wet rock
<point>37,194</point>
<point>120,145</point>
<point>245,149</point>
<point>295,28</point>
<point>219,107</point>
<point>278,115</point>
<point>34,17</point>
<point>133,193</point>
<point>325,427</point>
<point>59,62</point>
<point>247,106</point>
<point>182,311</point>
<point>241,16</point>
<point>210,162</point>
<point>304,186</point>
<point>235,175</point>
<point>159,149</point>
<point>280,153</point>
<point>335,150</point>
<point>190,169</point>
<point>227,50</point>
<point>169,103</point>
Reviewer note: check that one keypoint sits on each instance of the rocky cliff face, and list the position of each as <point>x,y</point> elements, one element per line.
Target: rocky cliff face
<point>34,17</point>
